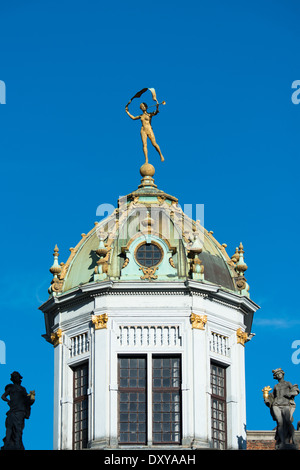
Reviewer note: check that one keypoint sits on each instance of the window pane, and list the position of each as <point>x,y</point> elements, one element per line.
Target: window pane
<point>218,406</point>
<point>80,407</point>
<point>148,254</point>
<point>166,399</point>
<point>132,400</point>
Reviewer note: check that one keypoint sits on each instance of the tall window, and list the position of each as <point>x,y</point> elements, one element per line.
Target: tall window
<point>165,388</point>
<point>132,400</point>
<point>80,407</point>
<point>218,406</point>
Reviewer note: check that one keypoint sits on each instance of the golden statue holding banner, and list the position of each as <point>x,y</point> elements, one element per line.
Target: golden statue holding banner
<point>146,117</point>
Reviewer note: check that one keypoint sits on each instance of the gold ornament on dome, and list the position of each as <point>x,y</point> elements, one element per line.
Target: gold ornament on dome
<point>149,273</point>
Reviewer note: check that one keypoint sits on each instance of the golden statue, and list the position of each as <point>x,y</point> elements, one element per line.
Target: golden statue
<point>146,117</point>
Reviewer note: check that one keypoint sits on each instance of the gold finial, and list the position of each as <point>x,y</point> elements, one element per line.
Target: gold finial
<point>147,172</point>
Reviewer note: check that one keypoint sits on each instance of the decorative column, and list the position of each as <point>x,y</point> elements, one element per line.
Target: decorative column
<point>200,386</point>
<point>56,339</point>
<point>236,404</point>
<point>101,381</point>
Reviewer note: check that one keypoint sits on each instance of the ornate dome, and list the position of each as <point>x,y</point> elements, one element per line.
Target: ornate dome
<point>148,238</point>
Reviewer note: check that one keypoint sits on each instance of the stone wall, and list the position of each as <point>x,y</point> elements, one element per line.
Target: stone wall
<point>265,440</point>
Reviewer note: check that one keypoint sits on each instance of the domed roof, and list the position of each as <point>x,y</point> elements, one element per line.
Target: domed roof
<point>149,238</point>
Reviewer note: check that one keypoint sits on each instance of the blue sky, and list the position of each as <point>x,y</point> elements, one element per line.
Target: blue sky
<point>229,134</point>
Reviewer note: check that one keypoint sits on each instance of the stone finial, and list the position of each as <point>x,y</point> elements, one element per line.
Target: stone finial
<point>235,256</point>
<point>56,283</point>
<point>55,268</point>
<point>241,266</point>
<point>102,251</point>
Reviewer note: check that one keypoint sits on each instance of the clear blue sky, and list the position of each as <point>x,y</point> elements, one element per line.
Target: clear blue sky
<point>229,134</point>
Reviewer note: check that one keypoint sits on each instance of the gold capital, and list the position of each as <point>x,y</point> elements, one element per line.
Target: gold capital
<point>198,321</point>
<point>242,336</point>
<point>56,338</point>
<point>100,321</point>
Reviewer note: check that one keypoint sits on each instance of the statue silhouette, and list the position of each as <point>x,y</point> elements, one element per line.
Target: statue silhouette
<point>20,403</point>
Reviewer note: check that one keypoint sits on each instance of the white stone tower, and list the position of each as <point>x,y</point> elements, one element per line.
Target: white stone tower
<point>149,318</point>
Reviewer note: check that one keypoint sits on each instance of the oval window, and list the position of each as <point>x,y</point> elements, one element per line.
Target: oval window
<point>148,254</point>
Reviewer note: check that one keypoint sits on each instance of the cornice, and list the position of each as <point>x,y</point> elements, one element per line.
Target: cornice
<point>186,287</point>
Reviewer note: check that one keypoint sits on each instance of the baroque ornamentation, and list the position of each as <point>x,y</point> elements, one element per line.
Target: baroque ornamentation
<point>100,321</point>
<point>56,269</point>
<point>242,336</point>
<point>56,337</point>
<point>198,321</point>
<point>149,273</point>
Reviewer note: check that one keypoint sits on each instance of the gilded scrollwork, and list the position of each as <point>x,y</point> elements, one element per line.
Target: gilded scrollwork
<point>149,273</point>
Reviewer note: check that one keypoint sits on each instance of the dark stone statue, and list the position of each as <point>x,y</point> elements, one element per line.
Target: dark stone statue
<point>282,406</point>
<point>20,403</point>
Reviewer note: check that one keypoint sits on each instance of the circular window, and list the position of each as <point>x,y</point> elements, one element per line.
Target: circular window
<point>148,254</point>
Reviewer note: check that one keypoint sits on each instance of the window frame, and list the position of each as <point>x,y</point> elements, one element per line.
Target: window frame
<point>220,399</point>
<point>132,390</point>
<point>170,389</point>
<point>148,243</point>
<point>83,398</point>
<point>149,391</point>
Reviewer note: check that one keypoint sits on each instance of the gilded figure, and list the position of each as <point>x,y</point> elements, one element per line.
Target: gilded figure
<point>146,128</point>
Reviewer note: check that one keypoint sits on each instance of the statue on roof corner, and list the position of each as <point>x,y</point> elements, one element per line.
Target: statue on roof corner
<point>282,406</point>
<point>20,403</point>
<point>146,117</point>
